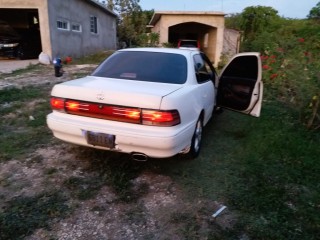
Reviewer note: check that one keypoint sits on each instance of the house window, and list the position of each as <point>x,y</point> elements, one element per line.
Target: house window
<point>75,27</point>
<point>63,25</point>
<point>93,24</point>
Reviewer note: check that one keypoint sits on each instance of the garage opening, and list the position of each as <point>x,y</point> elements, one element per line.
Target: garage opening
<point>205,34</point>
<point>20,33</point>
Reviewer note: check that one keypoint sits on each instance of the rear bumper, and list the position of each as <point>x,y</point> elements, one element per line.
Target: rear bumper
<point>157,142</point>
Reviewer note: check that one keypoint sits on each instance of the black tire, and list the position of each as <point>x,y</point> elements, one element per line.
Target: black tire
<point>196,139</point>
<point>21,54</point>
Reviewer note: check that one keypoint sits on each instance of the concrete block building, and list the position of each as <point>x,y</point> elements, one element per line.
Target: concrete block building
<point>66,27</point>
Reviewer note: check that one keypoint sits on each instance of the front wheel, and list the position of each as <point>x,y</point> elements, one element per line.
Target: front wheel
<point>196,140</point>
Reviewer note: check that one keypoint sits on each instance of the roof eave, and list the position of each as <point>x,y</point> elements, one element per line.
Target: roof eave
<point>157,14</point>
<point>102,7</point>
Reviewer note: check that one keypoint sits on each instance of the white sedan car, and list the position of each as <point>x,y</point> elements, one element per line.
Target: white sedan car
<point>153,102</point>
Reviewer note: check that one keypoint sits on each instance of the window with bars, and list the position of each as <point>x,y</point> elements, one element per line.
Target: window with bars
<point>93,24</point>
<point>63,25</point>
<point>75,27</point>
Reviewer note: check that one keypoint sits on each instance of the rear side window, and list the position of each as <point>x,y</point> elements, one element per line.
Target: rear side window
<point>145,66</point>
<point>204,69</point>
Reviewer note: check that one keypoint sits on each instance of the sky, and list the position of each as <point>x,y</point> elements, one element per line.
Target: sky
<point>285,8</point>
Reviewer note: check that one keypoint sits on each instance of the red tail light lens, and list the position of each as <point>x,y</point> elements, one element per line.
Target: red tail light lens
<point>160,118</point>
<point>72,106</point>
<point>116,113</point>
<point>95,110</point>
<point>57,103</point>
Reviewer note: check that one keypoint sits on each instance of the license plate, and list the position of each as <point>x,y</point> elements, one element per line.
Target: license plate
<point>100,139</point>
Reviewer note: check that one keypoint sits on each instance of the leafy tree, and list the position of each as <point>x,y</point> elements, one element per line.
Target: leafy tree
<point>123,7</point>
<point>132,21</point>
<point>255,20</point>
<point>232,21</point>
<point>315,12</point>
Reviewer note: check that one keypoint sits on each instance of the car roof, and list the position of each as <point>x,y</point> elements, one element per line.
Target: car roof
<point>188,40</point>
<point>160,50</point>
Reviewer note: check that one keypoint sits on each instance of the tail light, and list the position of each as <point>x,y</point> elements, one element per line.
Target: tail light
<point>57,103</point>
<point>117,113</point>
<point>160,118</point>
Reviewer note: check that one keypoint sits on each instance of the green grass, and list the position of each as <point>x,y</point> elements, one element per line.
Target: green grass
<point>17,94</point>
<point>109,168</point>
<point>93,59</point>
<point>19,134</point>
<point>28,69</point>
<point>266,169</point>
<point>23,215</point>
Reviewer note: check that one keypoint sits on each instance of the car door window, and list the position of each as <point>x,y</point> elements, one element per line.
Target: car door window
<point>240,86</point>
<point>204,72</point>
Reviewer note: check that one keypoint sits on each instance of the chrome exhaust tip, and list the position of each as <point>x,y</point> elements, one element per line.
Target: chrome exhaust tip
<point>140,157</point>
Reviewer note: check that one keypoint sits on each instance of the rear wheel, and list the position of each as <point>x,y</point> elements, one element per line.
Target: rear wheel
<point>196,140</point>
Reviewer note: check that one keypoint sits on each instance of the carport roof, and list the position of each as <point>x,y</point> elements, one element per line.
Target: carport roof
<point>157,15</point>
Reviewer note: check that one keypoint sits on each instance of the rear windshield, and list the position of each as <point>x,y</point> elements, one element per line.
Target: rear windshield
<point>188,43</point>
<point>145,66</point>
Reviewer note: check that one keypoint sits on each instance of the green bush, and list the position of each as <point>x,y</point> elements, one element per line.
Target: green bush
<point>290,62</point>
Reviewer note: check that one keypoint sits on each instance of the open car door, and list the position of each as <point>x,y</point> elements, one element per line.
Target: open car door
<point>240,87</point>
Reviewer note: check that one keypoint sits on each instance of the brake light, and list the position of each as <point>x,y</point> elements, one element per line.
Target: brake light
<point>133,114</point>
<point>72,105</point>
<point>125,114</point>
<point>57,103</point>
<point>160,118</point>
<point>116,113</point>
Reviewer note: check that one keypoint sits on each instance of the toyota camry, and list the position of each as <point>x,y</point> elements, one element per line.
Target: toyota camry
<point>153,102</point>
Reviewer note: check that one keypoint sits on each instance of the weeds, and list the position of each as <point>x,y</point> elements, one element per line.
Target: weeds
<point>83,188</point>
<point>28,69</point>
<point>23,94</point>
<point>20,134</point>
<point>267,169</point>
<point>114,169</point>
<point>23,215</point>
<point>93,59</point>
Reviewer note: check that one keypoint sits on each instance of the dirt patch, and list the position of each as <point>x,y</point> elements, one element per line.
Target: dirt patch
<point>159,210</point>
<point>44,74</point>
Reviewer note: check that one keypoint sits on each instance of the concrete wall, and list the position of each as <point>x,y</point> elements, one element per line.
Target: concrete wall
<point>231,44</point>
<point>67,42</point>
<point>61,43</point>
<point>209,26</point>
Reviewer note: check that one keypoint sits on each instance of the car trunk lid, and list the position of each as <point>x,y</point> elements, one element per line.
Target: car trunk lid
<point>115,91</point>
